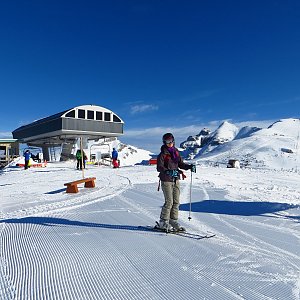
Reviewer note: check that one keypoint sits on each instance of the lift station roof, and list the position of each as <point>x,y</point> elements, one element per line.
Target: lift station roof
<point>89,121</point>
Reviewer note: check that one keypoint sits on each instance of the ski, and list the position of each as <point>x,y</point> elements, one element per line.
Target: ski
<point>194,235</point>
<point>186,234</point>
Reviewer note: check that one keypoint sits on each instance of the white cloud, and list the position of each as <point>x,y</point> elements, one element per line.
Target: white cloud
<point>159,131</point>
<point>151,138</point>
<point>5,135</point>
<point>141,108</point>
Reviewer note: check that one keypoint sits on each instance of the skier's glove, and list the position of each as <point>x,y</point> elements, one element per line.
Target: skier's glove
<point>193,168</point>
<point>173,173</point>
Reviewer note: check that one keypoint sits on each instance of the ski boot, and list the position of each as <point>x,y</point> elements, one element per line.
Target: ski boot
<point>176,226</point>
<point>163,225</point>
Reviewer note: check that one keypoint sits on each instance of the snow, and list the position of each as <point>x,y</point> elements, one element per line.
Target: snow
<point>130,155</point>
<point>226,132</point>
<point>275,147</point>
<point>89,245</point>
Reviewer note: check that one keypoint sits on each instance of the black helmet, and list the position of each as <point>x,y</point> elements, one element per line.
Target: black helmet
<point>167,137</point>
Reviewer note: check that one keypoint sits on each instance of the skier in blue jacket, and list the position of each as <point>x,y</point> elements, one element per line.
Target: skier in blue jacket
<point>114,156</point>
<point>27,156</point>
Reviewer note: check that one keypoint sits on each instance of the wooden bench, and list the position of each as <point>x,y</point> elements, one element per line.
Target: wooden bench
<point>72,186</point>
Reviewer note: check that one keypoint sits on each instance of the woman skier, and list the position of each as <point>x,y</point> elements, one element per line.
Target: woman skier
<point>168,163</point>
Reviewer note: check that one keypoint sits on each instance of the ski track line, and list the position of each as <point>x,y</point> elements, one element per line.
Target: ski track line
<point>138,207</point>
<point>268,249</point>
<point>287,272</point>
<point>261,236</point>
<point>196,223</point>
<point>247,236</point>
<point>141,207</point>
<point>87,198</point>
<point>206,196</point>
<point>234,243</point>
<point>270,226</point>
<point>295,233</point>
<point>110,192</point>
<point>59,204</point>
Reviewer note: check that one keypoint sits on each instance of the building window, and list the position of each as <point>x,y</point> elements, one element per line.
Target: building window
<point>2,151</point>
<point>71,114</point>
<point>90,114</point>
<point>116,119</point>
<point>107,116</point>
<point>99,116</point>
<point>81,113</point>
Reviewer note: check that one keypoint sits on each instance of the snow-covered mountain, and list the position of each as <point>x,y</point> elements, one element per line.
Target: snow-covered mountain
<point>206,141</point>
<point>130,155</point>
<point>275,147</point>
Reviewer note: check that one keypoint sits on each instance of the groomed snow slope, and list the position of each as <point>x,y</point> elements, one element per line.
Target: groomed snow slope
<point>89,245</point>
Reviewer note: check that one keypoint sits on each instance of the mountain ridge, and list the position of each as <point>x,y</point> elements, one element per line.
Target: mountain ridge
<point>274,147</point>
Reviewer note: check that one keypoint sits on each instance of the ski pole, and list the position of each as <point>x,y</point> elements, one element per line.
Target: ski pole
<point>190,197</point>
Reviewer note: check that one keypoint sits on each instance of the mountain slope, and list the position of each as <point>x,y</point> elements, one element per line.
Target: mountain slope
<point>275,147</point>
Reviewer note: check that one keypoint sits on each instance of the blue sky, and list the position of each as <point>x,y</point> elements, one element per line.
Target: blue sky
<point>159,64</point>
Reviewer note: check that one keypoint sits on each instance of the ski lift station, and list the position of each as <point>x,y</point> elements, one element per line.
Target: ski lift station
<point>89,122</point>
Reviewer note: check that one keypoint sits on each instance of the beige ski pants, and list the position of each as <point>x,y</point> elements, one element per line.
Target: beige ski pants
<point>171,192</point>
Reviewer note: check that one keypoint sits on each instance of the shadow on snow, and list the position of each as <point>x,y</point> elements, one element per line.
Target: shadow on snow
<point>48,221</point>
<point>206,206</point>
<point>56,191</point>
<point>238,208</point>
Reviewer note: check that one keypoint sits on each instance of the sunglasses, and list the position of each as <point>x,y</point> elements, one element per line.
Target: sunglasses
<point>169,142</point>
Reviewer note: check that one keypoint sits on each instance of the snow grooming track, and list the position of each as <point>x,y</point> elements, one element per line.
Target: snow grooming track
<point>40,271</point>
<point>177,257</point>
<point>6,288</point>
<point>35,264</point>
<point>155,255</point>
